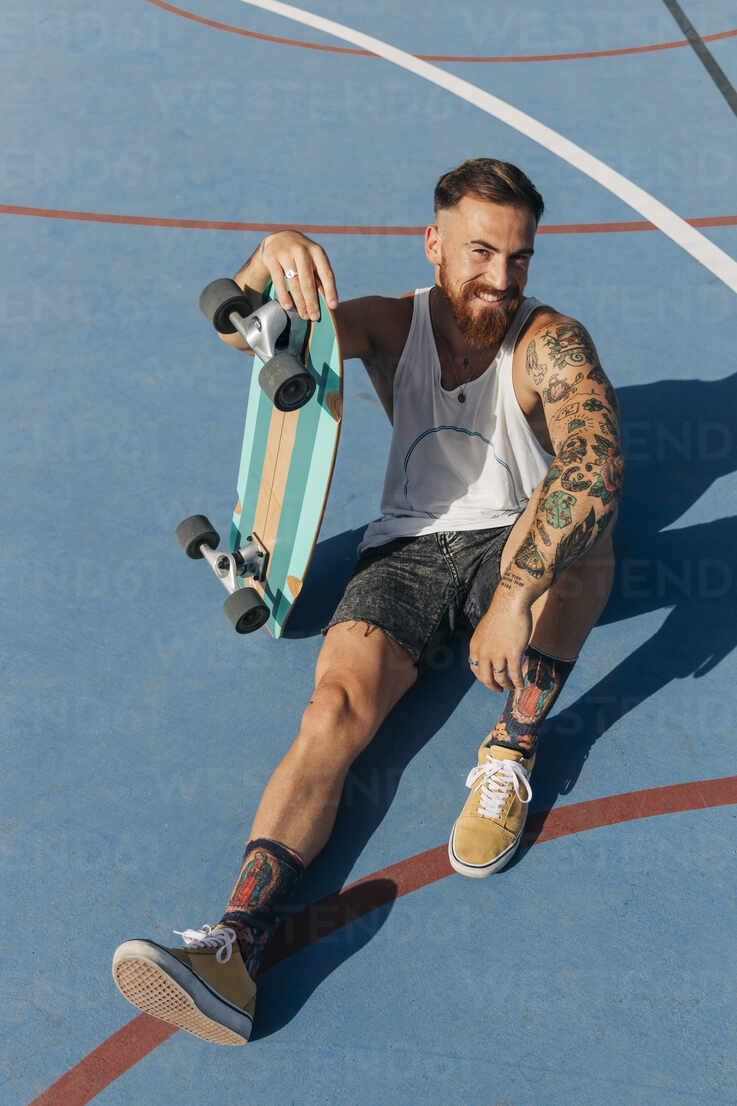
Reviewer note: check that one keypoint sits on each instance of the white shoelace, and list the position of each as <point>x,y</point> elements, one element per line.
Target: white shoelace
<point>496,778</point>
<point>209,937</point>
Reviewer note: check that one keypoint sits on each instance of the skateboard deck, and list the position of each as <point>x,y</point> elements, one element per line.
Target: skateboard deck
<point>286,466</point>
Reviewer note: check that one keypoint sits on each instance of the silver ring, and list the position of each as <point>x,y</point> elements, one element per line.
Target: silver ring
<point>474,664</point>
<point>289,274</point>
<point>500,669</point>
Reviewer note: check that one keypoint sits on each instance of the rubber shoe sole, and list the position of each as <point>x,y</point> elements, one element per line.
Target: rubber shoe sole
<point>478,871</point>
<point>160,985</point>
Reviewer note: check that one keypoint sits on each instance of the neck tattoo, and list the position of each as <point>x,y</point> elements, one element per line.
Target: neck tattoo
<point>461,396</point>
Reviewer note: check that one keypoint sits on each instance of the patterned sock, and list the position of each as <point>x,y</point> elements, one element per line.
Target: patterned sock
<point>268,875</point>
<point>526,707</point>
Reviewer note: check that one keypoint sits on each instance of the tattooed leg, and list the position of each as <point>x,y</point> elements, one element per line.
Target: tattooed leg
<point>268,876</point>
<point>527,706</point>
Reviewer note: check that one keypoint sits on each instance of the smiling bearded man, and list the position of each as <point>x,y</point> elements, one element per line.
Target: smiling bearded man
<point>499,502</point>
<point>482,314</point>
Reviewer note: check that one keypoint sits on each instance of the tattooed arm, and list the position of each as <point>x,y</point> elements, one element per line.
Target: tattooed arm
<point>564,384</point>
<point>582,488</point>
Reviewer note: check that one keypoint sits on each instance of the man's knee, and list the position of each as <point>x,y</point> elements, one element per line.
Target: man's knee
<point>336,725</point>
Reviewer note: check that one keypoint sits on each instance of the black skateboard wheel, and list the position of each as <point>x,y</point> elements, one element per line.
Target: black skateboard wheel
<point>194,532</point>
<point>286,382</point>
<point>218,299</point>
<point>246,610</point>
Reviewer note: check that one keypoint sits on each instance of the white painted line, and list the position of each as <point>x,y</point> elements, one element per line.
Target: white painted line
<point>715,260</point>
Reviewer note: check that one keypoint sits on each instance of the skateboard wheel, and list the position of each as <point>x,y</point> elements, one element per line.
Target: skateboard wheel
<point>194,532</point>
<point>218,299</point>
<point>286,382</point>
<point>246,610</point>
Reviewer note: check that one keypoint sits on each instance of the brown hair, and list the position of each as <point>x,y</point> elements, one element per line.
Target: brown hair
<point>489,179</point>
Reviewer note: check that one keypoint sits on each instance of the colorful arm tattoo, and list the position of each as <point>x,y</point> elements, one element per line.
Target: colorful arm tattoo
<point>584,484</point>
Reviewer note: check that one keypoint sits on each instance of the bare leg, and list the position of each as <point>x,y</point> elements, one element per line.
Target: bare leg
<point>360,675</point>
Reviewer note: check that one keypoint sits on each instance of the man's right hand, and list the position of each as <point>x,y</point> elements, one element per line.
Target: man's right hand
<point>290,250</point>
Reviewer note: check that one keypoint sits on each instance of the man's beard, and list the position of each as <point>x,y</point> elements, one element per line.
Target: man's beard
<point>481,324</point>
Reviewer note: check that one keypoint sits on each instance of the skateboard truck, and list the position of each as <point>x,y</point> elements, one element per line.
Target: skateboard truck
<point>263,328</point>
<point>244,606</point>
<point>277,337</point>
<point>249,560</point>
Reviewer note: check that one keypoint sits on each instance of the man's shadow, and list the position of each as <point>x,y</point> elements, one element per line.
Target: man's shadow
<point>679,437</point>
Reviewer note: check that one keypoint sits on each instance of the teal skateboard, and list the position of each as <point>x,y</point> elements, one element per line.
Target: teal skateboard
<point>290,439</point>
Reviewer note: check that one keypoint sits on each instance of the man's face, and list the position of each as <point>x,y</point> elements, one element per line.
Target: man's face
<point>481,252</point>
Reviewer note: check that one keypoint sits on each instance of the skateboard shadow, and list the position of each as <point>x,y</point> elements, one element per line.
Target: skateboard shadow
<point>679,437</point>
<point>329,570</point>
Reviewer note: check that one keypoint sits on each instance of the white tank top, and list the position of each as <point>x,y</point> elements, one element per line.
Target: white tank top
<point>452,465</point>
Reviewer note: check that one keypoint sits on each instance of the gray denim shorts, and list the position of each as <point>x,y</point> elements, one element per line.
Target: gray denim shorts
<point>409,587</point>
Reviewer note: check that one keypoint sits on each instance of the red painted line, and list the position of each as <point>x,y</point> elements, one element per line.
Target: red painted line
<point>143,1034</point>
<point>626,227</point>
<point>105,1063</point>
<point>575,56</point>
<point>345,906</point>
<point>198,224</point>
<point>326,228</point>
<point>429,57</point>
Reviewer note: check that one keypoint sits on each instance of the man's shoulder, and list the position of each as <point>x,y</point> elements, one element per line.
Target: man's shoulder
<point>545,333</point>
<point>548,331</point>
<point>374,324</point>
<point>543,318</point>
<point>388,308</point>
<point>397,311</point>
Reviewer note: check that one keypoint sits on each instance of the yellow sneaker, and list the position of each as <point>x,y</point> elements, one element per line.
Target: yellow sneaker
<point>203,988</point>
<point>489,828</point>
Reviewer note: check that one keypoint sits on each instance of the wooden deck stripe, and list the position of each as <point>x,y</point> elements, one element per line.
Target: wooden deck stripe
<point>299,518</point>
<point>277,475</point>
<point>271,454</point>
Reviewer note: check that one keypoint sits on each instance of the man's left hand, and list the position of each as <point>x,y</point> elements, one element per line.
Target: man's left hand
<point>499,641</point>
